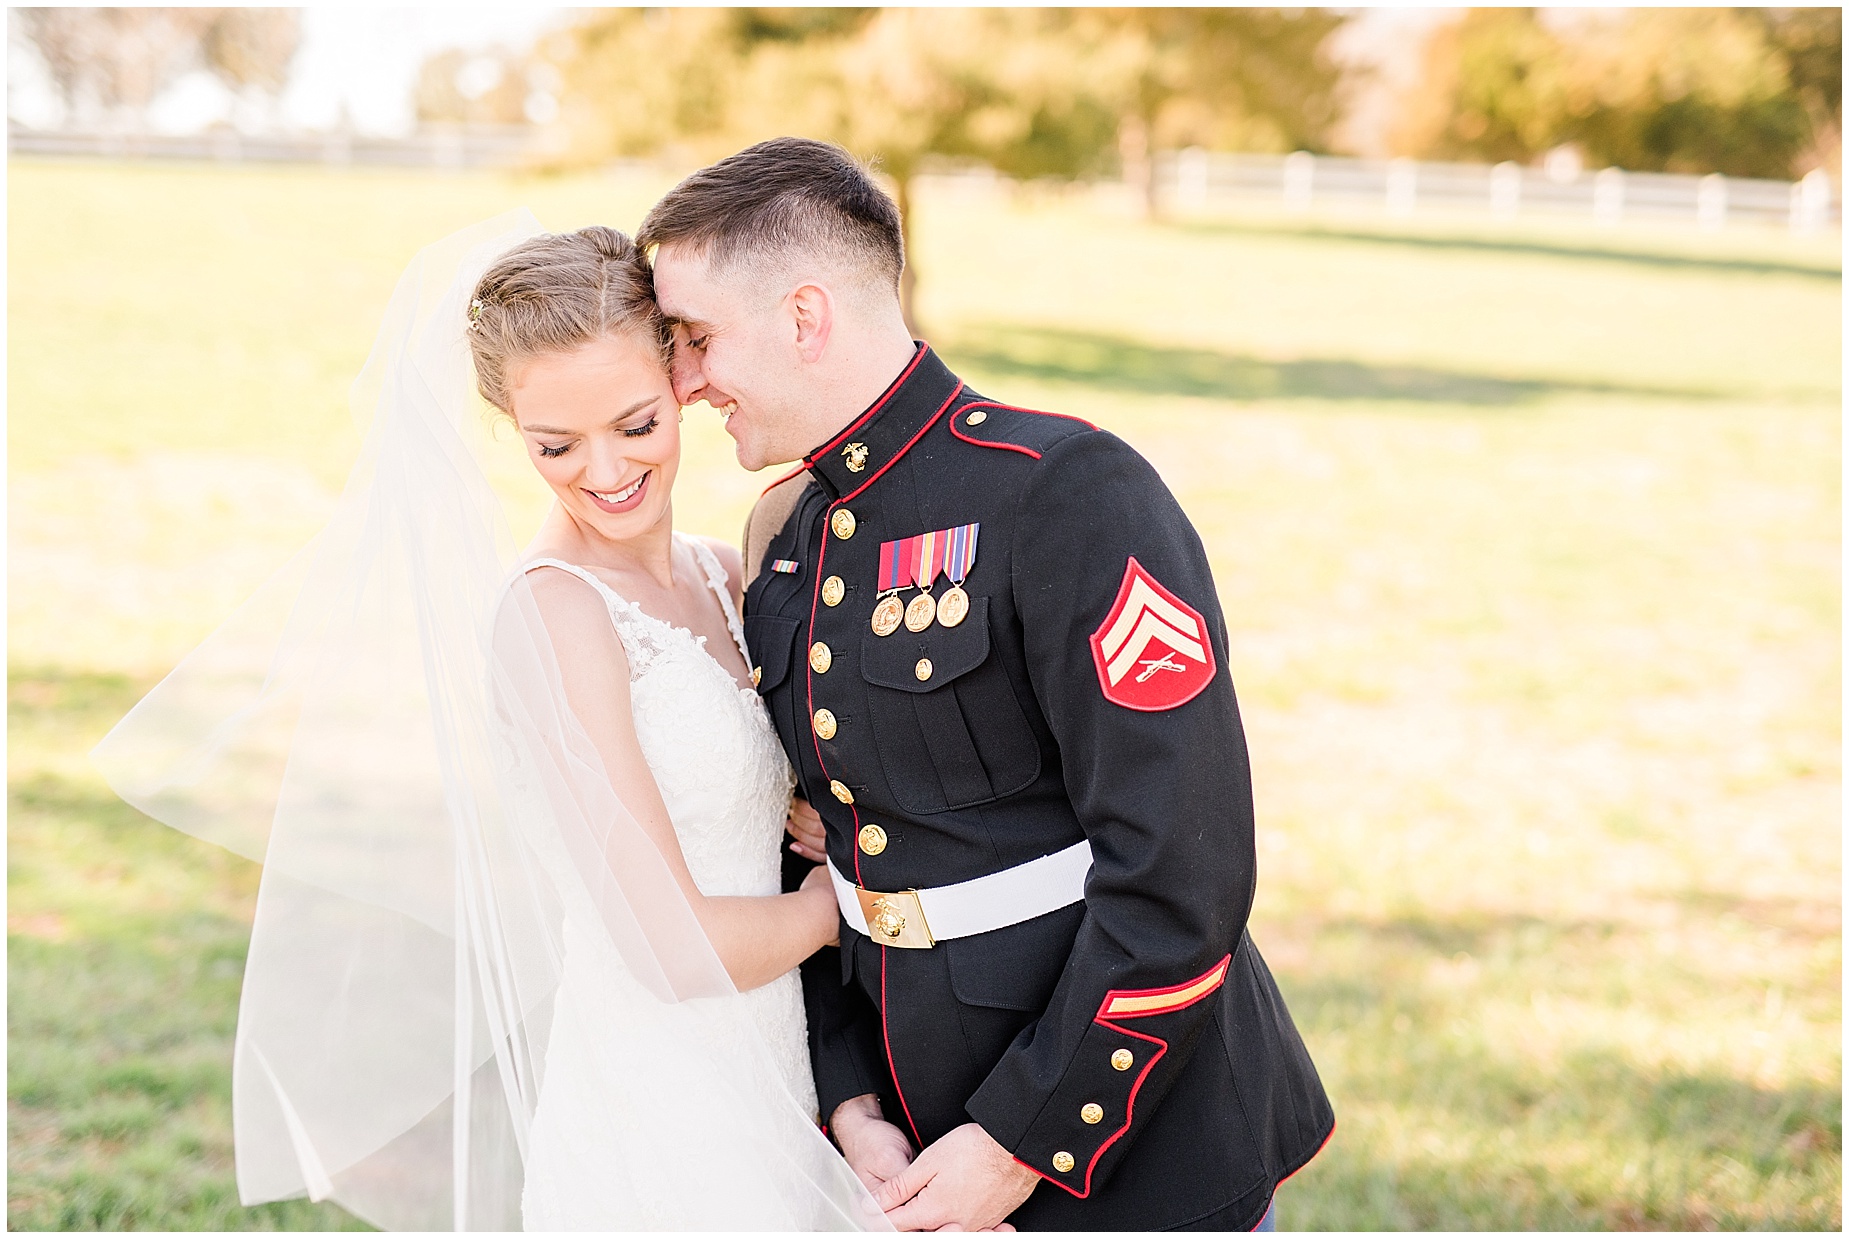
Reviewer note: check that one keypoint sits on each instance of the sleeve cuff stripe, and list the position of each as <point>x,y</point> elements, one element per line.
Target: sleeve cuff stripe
<point>1120,1003</point>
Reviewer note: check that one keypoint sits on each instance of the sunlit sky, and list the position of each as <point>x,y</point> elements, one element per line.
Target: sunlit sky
<point>362,57</point>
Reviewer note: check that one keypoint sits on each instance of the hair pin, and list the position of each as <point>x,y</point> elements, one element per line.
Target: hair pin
<point>475,314</point>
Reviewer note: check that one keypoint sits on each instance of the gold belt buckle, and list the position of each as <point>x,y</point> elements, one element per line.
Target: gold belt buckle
<point>895,919</point>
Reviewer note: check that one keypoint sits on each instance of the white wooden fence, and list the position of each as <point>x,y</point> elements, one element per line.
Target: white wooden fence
<point>1195,180</point>
<point>471,146</point>
<point>1189,181</point>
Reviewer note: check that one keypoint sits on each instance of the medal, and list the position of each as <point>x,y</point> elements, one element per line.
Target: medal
<point>918,561</point>
<point>959,558</point>
<point>886,616</point>
<point>954,608</point>
<point>919,613</point>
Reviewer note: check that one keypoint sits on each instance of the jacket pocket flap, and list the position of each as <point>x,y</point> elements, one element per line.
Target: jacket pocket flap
<point>899,661</point>
<point>770,639</point>
<point>1015,967</point>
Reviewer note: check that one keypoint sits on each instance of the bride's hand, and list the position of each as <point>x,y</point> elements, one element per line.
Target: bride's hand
<point>818,880</point>
<point>808,839</point>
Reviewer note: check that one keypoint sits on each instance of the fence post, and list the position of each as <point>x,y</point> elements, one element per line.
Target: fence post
<point>1505,189</point>
<point>1191,179</point>
<point>1299,179</point>
<point>1810,201</point>
<point>1711,202</point>
<point>446,149</point>
<point>1402,186</point>
<point>1608,196</point>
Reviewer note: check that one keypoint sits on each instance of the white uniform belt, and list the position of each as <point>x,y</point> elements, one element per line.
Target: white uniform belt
<point>922,918</point>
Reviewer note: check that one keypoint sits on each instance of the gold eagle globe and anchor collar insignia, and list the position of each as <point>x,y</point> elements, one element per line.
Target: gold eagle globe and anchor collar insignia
<point>863,448</point>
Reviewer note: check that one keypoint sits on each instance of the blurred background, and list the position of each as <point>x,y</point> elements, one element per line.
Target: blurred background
<point>1496,354</point>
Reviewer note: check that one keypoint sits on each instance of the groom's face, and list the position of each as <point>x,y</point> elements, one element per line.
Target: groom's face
<point>734,350</point>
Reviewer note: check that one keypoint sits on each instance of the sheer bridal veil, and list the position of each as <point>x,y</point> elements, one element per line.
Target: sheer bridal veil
<point>383,727</point>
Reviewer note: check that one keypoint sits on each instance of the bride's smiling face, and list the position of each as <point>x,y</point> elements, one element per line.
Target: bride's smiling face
<point>602,427</point>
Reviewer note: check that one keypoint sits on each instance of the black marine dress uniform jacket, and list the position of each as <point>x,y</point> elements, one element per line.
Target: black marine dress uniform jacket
<point>1132,1048</point>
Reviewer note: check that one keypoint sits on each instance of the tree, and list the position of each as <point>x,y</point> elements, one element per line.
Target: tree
<point>1743,92</point>
<point>476,88</point>
<point>1810,42</point>
<point>895,86</point>
<point>1492,89</point>
<point>110,64</point>
<point>1029,92</point>
<point>1230,78</point>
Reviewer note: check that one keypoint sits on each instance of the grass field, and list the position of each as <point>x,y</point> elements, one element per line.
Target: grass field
<point>1528,540</point>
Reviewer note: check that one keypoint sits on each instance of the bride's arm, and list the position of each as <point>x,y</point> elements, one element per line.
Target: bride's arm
<point>757,938</point>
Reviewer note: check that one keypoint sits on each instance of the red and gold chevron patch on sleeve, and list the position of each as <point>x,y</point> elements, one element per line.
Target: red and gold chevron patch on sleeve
<point>1129,1003</point>
<point>1152,651</point>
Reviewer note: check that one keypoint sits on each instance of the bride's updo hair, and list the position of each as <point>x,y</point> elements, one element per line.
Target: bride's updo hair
<point>556,293</point>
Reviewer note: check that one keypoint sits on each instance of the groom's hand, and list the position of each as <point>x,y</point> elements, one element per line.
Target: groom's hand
<point>875,1149</point>
<point>965,1181</point>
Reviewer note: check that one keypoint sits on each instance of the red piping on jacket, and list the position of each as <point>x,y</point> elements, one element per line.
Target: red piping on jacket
<point>890,1066</point>
<point>1186,998</point>
<point>873,408</point>
<point>809,672</point>
<point>796,472</point>
<point>909,444</point>
<point>1012,408</point>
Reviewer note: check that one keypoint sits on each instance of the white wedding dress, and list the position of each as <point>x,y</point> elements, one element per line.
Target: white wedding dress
<point>631,1130</point>
<point>476,997</point>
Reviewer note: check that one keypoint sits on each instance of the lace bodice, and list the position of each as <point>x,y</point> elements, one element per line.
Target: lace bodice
<point>708,742</point>
<point>607,1145</point>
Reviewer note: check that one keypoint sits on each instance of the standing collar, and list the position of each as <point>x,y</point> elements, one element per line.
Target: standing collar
<point>890,425</point>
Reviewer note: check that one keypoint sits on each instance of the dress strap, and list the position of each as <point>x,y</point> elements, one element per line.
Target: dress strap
<point>590,578</point>
<point>716,581</point>
<point>646,640</point>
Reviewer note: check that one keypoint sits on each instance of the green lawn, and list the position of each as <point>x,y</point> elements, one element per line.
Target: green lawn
<point>1529,543</point>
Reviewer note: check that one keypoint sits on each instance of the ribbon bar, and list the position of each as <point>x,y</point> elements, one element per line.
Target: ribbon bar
<point>919,560</point>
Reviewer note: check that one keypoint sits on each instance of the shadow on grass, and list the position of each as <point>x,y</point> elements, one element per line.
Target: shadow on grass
<point>1529,246</point>
<point>1114,362</point>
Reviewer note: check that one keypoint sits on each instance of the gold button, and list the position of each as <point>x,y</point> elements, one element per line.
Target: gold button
<point>1062,1161</point>
<point>923,669</point>
<point>833,591</point>
<point>1092,1112</point>
<point>821,658</point>
<point>840,791</point>
<point>976,418</point>
<point>872,840</point>
<point>842,522</point>
<point>757,676</point>
<point>1123,1060</point>
<point>825,724</point>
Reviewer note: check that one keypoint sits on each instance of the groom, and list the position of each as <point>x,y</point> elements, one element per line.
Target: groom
<point>990,643</point>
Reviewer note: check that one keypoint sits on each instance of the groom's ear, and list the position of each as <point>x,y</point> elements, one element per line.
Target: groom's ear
<point>813,310</point>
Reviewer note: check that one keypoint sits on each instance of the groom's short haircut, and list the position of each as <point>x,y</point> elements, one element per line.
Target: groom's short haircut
<point>778,199</point>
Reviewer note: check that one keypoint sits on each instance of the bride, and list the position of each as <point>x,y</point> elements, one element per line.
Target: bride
<point>520,955</point>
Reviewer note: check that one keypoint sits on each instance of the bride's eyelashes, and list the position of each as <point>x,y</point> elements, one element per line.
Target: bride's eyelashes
<point>632,432</point>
